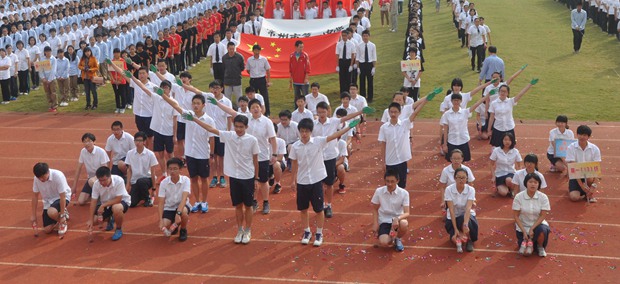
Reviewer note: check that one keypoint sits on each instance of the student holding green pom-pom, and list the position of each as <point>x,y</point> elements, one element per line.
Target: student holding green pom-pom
<point>501,120</point>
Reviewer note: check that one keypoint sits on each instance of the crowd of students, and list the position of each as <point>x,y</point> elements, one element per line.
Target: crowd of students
<point>181,126</point>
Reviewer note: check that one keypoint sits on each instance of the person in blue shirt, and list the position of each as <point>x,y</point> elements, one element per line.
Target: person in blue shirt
<point>62,77</point>
<point>578,19</point>
<point>491,65</point>
<point>48,78</point>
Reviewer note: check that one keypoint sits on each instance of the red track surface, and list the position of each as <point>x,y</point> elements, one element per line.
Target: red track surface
<point>582,247</point>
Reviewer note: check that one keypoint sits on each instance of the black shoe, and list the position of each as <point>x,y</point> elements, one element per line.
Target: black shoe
<point>87,107</point>
<point>277,189</point>
<point>183,235</point>
<point>148,202</point>
<point>93,108</point>
<point>328,212</point>
<point>176,230</point>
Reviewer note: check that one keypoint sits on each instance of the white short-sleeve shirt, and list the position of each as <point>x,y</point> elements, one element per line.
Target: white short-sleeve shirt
<point>390,204</point>
<point>505,162</point>
<point>197,138</point>
<point>238,161</point>
<point>309,156</point>
<point>51,189</point>
<point>520,176</point>
<point>405,112</point>
<point>119,147</point>
<point>93,160</point>
<point>329,127</point>
<point>142,103</point>
<point>281,149</point>
<point>262,129</point>
<point>475,35</point>
<point>173,192</point>
<point>458,134</point>
<point>298,116</point>
<point>163,113</point>
<point>311,101</point>
<point>358,102</point>
<point>574,153</point>
<point>503,114</point>
<point>530,208</point>
<point>289,133</point>
<point>447,175</point>
<point>140,163</point>
<point>218,115</point>
<point>459,200</point>
<point>556,134</point>
<point>116,188</point>
<point>342,148</point>
<point>447,102</point>
<point>396,138</point>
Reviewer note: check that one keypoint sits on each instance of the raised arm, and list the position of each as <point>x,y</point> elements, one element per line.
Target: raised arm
<point>174,104</point>
<point>365,110</point>
<point>223,107</point>
<point>343,130</point>
<point>421,102</point>
<point>202,124</point>
<point>516,74</point>
<point>524,90</point>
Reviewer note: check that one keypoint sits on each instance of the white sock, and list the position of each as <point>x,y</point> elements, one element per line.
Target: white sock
<point>204,204</point>
<point>307,230</point>
<point>319,230</point>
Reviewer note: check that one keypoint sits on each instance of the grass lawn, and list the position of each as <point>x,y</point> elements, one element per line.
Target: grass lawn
<point>536,32</point>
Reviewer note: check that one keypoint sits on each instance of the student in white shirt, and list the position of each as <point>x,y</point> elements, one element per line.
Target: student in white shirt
<point>308,171</point>
<point>394,140</point>
<point>342,165</point>
<point>279,166</point>
<point>310,13</point>
<point>327,11</point>
<point>141,165</point>
<point>454,123</point>
<point>558,164</point>
<point>461,223</point>
<point>301,112</point>
<point>55,193</point>
<point>278,12</point>
<point>174,204</point>
<point>504,163</point>
<point>197,149</point>
<point>530,163</point>
<point>287,130</point>
<point>241,166</point>
<point>530,209</point>
<point>110,202</point>
<point>314,98</point>
<point>390,212</point>
<point>22,68</point>
<point>501,117</point>
<point>117,146</point>
<point>340,12</point>
<point>91,157</point>
<point>476,41</point>
<point>447,174</point>
<point>5,76</point>
<point>366,57</point>
<point>580,152</point>
<point>296,12</point>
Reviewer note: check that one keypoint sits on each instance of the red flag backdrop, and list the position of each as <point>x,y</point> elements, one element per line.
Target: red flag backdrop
<point>321,50</point>
<point>287,5</point>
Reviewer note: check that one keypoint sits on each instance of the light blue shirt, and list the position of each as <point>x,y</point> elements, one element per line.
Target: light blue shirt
<point>103,51</point>
<point>73,66</point>
<point>578,19</point>
<point>491,65</point>
<point>51,74</point>
<point>62,68</point>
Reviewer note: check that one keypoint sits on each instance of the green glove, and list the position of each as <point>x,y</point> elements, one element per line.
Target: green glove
<point>494,80</point>
<point>212,101</point>
<point>188,116</point>
<point>534,81</point>
<point>179,82</point>
<point>523,67</point>
<point>158,91</point>
<point>367,110</point>
<point>493,92</point>
<point>432,95</point>
<point>108,61</point>
<point>128,74</point>
<point>128,60</point>
<point>153,68</point>
<point>354,123</point>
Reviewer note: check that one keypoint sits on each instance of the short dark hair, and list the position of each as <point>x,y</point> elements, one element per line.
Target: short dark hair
<point>88,135</point>
<point>250,89</point>
<point>165,83</point>
<point>513,141</point>
<point>531,158</point>
<point>341,112</point>
<point>315,84</point>
<point>492,48</point>
<point>366,32</point>
<point>345,95</point>
<point>40,169</point>
<point>457,82</point>
<point>242,119</point>
<point>253,102</point>
<point>456,97</point>
<point>584,130</point>
<point>117,123</point>
<point>391,173</point>
<point>303,98</point>
<point>285,113</point>
<point>322,105</point>
<point>460,170</point>
<point>186,75</point>
<point>243,99</point>
<point>354,85</point>
<point>103,171</point>
<point>140,134</point>
<point>199,97</point>
<point>306,124</point>
<point>216,83</point>
<point>532,176</point>
<point>394,105</point>
<point>299,42</point>
<point>230,43</point>
<point>456,151</point>
<point>174,161</point>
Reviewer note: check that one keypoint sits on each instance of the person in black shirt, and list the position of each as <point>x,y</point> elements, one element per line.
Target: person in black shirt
<point>194,34</point>
<point>184,43</point>
<point>151,51</point>
<point>163,46</point>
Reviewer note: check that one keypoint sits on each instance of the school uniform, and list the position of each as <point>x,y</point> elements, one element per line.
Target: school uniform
<point>143,107</point>
<point>119,149</point>
<point>50,85</point>
<point>92,161</point>
<point>397,147</point>
<point>405,113</point>
<point>477,36</point>
<point>50,191</point>
<point>162,124</point>
<point>578,24</point>
<point>5,78</point>
<point>345,51</point>
<point>504,122</point>
<point>172,193</point>
<point>262,129</point>
<point>312,101</point>
<point>310,172</point>
<point>221,121</point>
<point>341,13</point>
<point>391,205</point>
<point>22,70</point>
<point>239,165</point>
<point>574,153</point>
<point>62,78</point>
<point>530,209</point>
<point>141,179</point>
<point>447,175</point>
<point>107,193</point>
<point>197,147</point>
<point>553,135</point>
<point>366,57</point>
<point>278,14</point>
<point>519,178</point>
<point>504,164</point>
<point>257,69</point>
<point>290,133</point>
<point>358,102</point>
<point>458,134</point>
<point>297,116</point>
<point>216,51</point>
<point>460,201</point>
<point>330,151</point>
<point>311,14</point>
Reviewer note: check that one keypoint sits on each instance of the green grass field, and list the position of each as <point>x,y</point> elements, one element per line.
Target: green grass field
<point>536,32</point>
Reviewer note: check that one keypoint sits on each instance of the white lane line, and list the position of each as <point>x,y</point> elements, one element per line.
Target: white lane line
<point>599,257</point>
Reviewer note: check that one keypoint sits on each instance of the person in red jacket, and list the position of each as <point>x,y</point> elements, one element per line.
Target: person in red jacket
<point>174,45</point>
<point>299,68</point>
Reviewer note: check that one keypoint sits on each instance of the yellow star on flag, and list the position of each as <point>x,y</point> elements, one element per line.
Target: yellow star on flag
<point>273,44</point>
<point>278,49</point>
<point>277,56</point>
<point>251,45</point>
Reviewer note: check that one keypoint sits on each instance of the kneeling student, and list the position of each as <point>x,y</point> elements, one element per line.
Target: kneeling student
<point>390,211</point>
<point>52,186</point>
<point>141,166</point>
<point>111,192</point>
<point>174,200</point>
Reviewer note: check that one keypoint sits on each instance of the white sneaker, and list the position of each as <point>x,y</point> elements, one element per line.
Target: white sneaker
<point>246,238</point>
<point>118,110</point>
<point>306,238</point>
<point>129,106</point>
<point>318,239</point>
<point>66,214</point>
<point>122,110</point>
<point>62,229</point>
<point>542,252</point>
<point>238,237</point>
<point>63,104</point>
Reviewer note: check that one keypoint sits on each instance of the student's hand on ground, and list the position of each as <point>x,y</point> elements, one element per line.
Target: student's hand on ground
<point>89,224</point>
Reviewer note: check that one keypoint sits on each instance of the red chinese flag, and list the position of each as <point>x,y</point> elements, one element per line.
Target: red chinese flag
<point>320,49</point>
